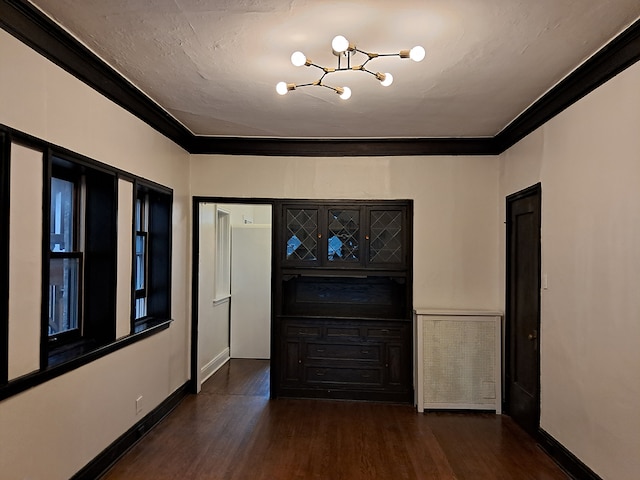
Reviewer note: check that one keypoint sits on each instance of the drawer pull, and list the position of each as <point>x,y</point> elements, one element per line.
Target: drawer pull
<point>366,375</point>
<point>320,374</point>
<point>364,352</point>
<point>306,332</point>
<point>320,350</point>
<point>384,330</point>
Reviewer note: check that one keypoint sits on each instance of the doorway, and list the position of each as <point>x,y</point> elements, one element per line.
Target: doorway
<point>231,310</point>
<point>523,308</point>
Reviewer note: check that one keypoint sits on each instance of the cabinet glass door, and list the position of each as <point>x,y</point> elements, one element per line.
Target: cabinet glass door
<point>301,234</point>
<point>386,236</point>
<point>343,235</point>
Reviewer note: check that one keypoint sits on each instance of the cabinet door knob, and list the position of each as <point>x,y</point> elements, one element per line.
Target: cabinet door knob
<point>319,235</point>
<point>299,361</point>
<point>366,237</point>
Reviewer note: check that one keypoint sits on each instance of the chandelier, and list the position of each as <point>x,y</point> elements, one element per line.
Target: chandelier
<point>346,51</point>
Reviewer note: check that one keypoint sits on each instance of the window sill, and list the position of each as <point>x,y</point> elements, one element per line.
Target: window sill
<point>67,358</point>
<point>144,324</point>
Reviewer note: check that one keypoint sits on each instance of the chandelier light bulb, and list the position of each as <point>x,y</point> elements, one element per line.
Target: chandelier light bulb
<point>387,80</point>
<point>282,88</point>
<point>339,44</point>
<point>298,59</point>
<point>346,93</point>
<point>417,53</point>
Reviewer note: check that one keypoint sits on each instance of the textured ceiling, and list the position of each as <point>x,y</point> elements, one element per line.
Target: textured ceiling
<point>214,64</point>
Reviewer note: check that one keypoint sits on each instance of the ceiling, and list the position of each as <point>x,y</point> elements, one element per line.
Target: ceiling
<point>213,64</point>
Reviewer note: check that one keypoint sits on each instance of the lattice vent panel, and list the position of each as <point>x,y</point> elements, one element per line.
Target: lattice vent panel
<point>459,362</point>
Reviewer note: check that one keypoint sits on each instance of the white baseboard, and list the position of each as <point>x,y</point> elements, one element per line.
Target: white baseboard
<point>212,367</point>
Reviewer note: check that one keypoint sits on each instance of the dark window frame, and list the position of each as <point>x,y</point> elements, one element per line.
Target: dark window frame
<point>5,156</point>
<point>75,177</point>
<point>95,243</point>
<point>102,179</point>
<point>157,290</point>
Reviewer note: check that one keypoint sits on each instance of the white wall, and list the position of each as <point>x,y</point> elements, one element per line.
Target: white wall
<point>52,430</point>
<point>456,231</point>
<point>588,160</point>
<point>213,313</point>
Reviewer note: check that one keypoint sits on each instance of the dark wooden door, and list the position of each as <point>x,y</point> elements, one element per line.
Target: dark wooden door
<point>523,308</point>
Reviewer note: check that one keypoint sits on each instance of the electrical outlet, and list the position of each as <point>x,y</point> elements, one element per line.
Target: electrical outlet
<point>139,404</point>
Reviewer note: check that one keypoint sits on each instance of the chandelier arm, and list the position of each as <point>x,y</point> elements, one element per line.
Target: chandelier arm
<point>366,61</point>
<point>316,65</point>
<point>329,87</point>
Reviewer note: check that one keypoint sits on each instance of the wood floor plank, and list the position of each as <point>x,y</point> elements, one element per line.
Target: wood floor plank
<point>232,431</point>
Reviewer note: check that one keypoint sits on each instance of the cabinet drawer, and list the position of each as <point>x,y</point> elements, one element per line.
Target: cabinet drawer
<point>384,332</point>
<point>303,331</point>
<point>343,352</point>
<point>333,331</point>
<point>345,376</point>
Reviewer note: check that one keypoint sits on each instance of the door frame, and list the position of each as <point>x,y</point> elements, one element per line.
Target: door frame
<point>195,271</point>
<point>534,190</point>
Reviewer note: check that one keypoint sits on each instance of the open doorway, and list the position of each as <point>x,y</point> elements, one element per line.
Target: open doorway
<point>231,284</point>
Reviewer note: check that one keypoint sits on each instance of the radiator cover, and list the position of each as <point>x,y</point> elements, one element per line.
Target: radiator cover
<point>458,360</point>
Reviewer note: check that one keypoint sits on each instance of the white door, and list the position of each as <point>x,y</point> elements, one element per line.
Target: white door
<point>250,291</point>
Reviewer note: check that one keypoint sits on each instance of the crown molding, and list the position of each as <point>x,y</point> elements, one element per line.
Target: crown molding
<point>618,55</point>
<point>341,147</point>
<point>32,27</point>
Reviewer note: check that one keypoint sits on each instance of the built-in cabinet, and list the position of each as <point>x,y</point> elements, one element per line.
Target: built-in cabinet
<point>342,298</point>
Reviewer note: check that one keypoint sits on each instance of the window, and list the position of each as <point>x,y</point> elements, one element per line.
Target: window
<point>140,269</point>
<point>77,294</point>
<point>222,282</point>
<point>152,256</point>
<point>81,293</point>
<point>65,262</point>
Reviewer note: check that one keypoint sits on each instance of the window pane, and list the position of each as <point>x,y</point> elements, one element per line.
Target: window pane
<point>343,235</point>
<point>141,245</point>
<point>141,307</point>
<point>64,281</point>
<point>302,232</point>
<point>61,224</point>
<point>139,214</point>
<point>386,236</point>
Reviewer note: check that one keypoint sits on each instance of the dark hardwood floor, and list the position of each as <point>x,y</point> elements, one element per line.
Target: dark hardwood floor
<point>232,431</point>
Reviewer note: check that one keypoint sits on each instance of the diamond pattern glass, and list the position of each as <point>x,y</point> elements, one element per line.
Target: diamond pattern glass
<point>385,236</point>
<point>302,234</point>
<point>343,236</point>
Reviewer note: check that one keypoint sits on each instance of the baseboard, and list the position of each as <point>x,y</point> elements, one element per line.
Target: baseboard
<point>100,464</point>
<point>567,460</point>
<point>212,367</point>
